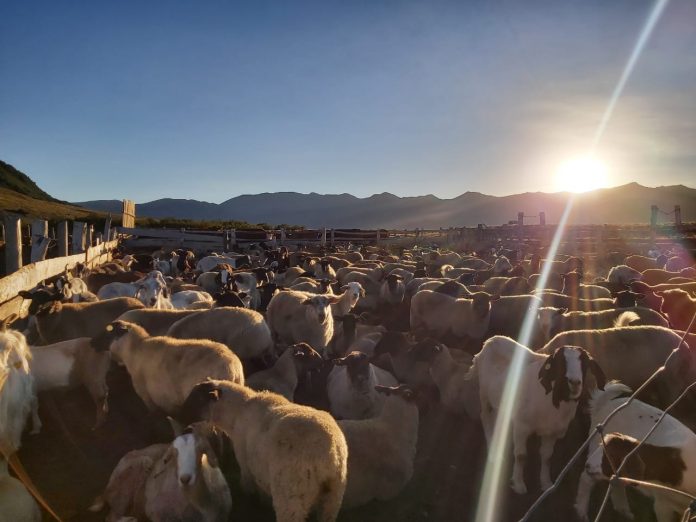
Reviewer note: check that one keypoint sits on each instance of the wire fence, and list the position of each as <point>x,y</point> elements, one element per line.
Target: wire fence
<point>599,430</point>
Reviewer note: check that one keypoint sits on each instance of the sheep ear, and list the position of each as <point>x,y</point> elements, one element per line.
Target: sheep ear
<point>546,375</point>
<point>596,370</point>
<point>25,294</point>
<point>177,428</point>
<point>341,361</point>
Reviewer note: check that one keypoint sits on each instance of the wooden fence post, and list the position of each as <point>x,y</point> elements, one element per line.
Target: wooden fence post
<point>233,238</point>
<point>542,219</point>
<point>78,237</point>
<point>39,240</point>
<point>377,237</point>
<point>520,226</point>
<point>653,216</point>
<point>323,237</point>
<point>677,215</point>
<point>62,239</point>
<point>333,236</point>
<point>107,229</point>
<point>13,243</point>
<point>282,236</point>
<point>89,236</point>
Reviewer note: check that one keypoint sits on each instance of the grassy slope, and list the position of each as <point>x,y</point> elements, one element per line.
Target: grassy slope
<point>13,179</point>
<point>14,202</point>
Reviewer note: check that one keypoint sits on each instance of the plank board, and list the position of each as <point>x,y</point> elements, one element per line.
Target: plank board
<point>29,276</point>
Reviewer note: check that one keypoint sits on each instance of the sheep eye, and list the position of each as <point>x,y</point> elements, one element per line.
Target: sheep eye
<point>109,327</point>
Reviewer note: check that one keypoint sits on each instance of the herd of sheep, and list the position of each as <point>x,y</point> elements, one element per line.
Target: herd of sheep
<point>314,368</point>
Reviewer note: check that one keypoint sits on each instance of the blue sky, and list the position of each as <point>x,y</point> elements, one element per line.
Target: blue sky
<point>209,100</point>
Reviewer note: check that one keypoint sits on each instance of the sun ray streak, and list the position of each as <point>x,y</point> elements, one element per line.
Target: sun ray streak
<point>652,20</point>
<point>489,504</point>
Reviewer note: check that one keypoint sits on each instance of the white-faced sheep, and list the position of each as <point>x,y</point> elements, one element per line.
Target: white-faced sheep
<point>550,385</point>
<point>276,442</point>
<point>243,331</point>
<point>631,355</point>
<point>178,481</point>
<point>381,450</point>
<point>392,290</point>
<point>351,387</point>
<point>352,292</point>
<point>283,376</point>
<point>296,317</point>
<point>164,369</point>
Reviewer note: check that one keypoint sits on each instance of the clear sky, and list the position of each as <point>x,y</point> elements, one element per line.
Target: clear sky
<point>212,99</point>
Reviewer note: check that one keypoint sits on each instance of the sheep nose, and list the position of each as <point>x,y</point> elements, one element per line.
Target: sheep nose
<point>185,478</point>
<point>575,382</point>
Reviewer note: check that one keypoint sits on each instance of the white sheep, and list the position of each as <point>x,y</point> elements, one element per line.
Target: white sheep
<point>562,375</point>
<point>352,292</point>
<point>381,450</point>
<point>243,331</point>
<point>70,364</point>
<point>672,444</point>
<point>17,395</point>
<point>178,481</point>
<point>164,369</point>
<point>190,299</point>
<point>283,376</point>
<point>392,290</point>
<point>295,454</point>
<point>623,274</point>
<point>296,317</point>
<point>351,387</point>
<point>438,314</point>
<point>16,503</point>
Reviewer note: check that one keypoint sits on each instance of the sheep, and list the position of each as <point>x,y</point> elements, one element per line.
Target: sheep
<point>404,359</point>
<point>213,282</point>
<point>679,307</point>
<point>74,289</point>
<point>631,354</point>
<point>187,299</point>
<point>566,301</point>
<point>348,331</point>
<point>288,277</point>
<point>230,298</point>
<point>351,387</point>
<point>149,289</point>
<point>243,331</point>
<point>640,263</point>
<point>60,322</point>
<point>283,376</point>
<point>556,320</point>
<point>302,317</point>
<point>208,263</point>
<point>675,470</point>
<point>381,450</point>
<point>573,288</point>
<point>345,275</point>
<point>96,280</point>
<point>677,263</point>
<point>17,396</point>
<point>352,292</point>
<point>439,314</point>
<point>164,369</point>
<point>392,290</point>
<point>70,364</point>
<point>178,481</point>
<point>16,502</point>
<point>156,322</point>
<point>248,282</point>
<point>324,270</point>
<point>450,288</point>
<point>295,454</point>
<point>658,276</point>
<point>629,299</point>
<point>507,285</point>
<point>623,274</point>
<point>313,286</point>
<point>561,374</point>
<point>458,393</point>
<point>508,314</point>
<point>553,282</point>
<point>562,267</point>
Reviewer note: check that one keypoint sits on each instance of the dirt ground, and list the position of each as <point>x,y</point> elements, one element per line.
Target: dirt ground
<point>70,464</point>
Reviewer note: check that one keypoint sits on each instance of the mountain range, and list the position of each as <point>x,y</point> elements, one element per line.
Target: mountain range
<point>618,205</point>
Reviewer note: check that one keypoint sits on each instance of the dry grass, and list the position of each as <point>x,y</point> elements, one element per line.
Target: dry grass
<point>16,203</point>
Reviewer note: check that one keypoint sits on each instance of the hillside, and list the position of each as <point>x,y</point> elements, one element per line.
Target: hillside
<point>618,205</point>
<point>13,179</point>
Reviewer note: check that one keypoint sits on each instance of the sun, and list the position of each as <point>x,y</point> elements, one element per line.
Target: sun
<point>581,174</point>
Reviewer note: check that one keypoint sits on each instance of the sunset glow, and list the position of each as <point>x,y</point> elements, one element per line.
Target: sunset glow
<point>581,174</point>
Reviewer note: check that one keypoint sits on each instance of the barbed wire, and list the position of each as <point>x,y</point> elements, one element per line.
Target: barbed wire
<point>599,428</point>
